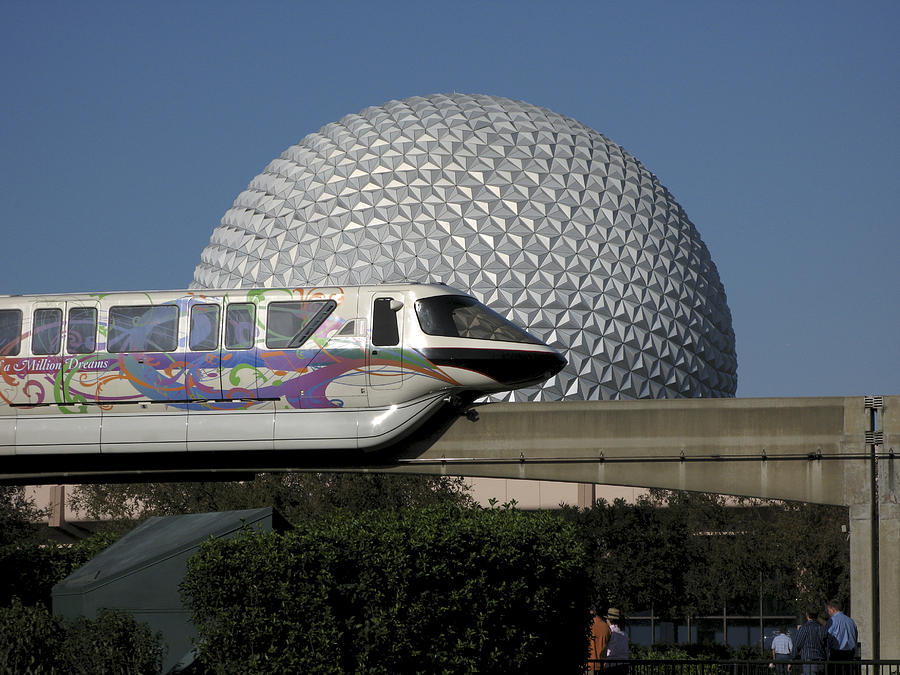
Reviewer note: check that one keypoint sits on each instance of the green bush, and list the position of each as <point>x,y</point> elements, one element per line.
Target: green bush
<point>33,641</point>
<point>682,652</point>
<point>438,589</point>
<point>112,643</point>
<point>30,640</point>
<point>29,571</point>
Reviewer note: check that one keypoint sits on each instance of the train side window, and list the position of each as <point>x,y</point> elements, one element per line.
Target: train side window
<point>240,325</point>
<point>204,328</point>
<point>81,332</point>
<point>46,331</point>
<point>348,329</point>
<point>150,328</point>
<point>290,324</point>
<point>10,332</point>
<point>384,324</point>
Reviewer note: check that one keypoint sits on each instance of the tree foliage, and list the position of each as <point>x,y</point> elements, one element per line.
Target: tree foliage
<point>29,564</point>
<point>438,589</point>
<point>297,496</point>
<point>638,557</point>
<point>694,554</point>
<point>792,555</point>
<point>18,516</point>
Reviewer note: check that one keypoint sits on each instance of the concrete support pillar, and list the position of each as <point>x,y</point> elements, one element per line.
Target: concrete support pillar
<point>889,528</point>
<point>889,546</point>
<point>57,506</point>
<point>587,495</point>
<point>861,574</point>
<point>858,495</point>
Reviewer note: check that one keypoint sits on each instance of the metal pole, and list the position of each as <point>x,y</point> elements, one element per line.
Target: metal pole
<point>762,635</point>
<point>725,623</point>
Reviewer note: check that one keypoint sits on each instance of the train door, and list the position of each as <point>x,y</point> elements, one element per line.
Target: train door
<point>44,367</point>
<point>82,371</point>
<point>336,374</point>
<point>229,332</point>
<point>239,356</point>
<point>13,320</point>
<point>203,380</point>
<point>62,334</point>
<point>385,350</point>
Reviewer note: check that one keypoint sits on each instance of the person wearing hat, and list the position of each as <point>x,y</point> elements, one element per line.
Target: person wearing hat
<point>617,651</point>
<point>599,641</point>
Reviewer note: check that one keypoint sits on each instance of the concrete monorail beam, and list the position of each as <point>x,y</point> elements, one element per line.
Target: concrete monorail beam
<point>780,448</point>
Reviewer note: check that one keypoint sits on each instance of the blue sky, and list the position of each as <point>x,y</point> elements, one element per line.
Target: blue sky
<point>127,130</point>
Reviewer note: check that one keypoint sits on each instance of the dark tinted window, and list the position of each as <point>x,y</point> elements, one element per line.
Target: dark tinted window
<point>348,328</point>
<point>384,324</point>
<point>290,324</point>
<point>465,317</point>
<point>10,332</point>
<point>152,328</point>
<point>46,331</point>
<point>81,333</point>
<point>204,328</point>
<point>240,327</point>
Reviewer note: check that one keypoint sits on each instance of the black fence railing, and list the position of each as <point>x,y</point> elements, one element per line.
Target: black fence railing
<point>697,667</point>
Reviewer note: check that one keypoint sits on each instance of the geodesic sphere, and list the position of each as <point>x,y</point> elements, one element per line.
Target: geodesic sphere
<point>542,218</point>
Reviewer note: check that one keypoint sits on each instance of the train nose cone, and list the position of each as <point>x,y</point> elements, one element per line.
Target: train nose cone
<point>537,367</point>
<point>558,363</point>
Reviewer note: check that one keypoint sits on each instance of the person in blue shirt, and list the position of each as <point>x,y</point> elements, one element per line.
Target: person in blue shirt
<point>842,636</point>
<point>781,651</point>
<point>811,644</point>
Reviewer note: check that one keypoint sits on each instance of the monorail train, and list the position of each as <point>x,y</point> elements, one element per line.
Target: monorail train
<point>248,369</point>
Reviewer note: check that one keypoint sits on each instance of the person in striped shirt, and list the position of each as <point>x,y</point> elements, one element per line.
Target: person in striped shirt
<point>811,644</point>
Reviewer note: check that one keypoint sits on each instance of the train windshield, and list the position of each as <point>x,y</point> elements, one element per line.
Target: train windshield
<point>465,317</point>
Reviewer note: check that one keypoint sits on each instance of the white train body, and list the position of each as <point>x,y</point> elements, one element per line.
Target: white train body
<point>248,369</point>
